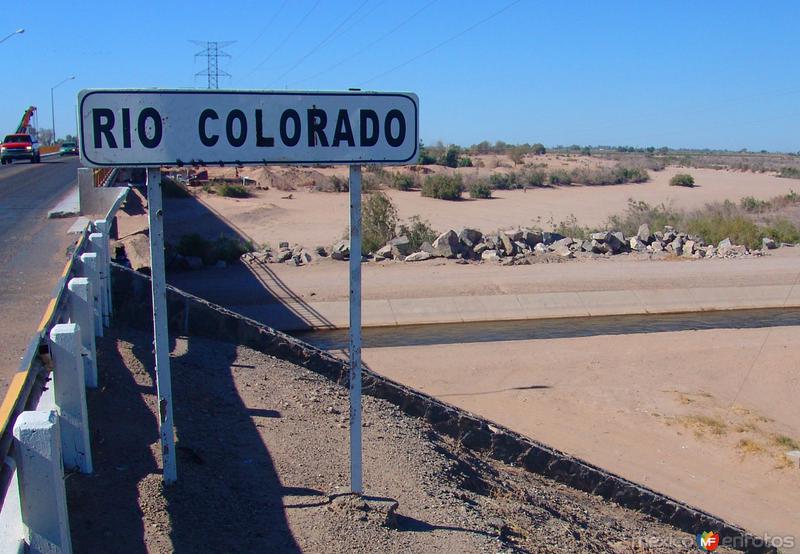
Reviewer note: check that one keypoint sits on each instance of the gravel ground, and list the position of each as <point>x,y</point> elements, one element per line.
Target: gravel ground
<point>263,450</point>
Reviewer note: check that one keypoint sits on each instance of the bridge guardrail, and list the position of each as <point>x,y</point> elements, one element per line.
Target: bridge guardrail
<point>43,417</point>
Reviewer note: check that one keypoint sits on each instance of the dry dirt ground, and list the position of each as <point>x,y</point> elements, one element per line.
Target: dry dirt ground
<point>261,445</point>
<point>312,218</point>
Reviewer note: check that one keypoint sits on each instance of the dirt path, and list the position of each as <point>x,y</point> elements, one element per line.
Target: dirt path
<point>262,443</point>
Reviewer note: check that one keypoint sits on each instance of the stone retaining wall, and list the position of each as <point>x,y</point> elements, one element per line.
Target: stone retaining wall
<point>190,315</point>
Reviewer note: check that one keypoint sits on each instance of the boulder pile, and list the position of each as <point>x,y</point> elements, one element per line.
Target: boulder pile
<point>523,246</point>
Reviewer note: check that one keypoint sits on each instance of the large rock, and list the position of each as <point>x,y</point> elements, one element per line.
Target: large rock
<point>598,247</point>
<point>768,244</point>
<point>418,257</point>
<point>615,242</point>
<point>341,250</point>
<point>637,244</point>
<point>724,243</point>
<point>447,244</point>
<point>384,251</point>
<point>656,246</point>
<point>676,246</point>
<point>643,234</point>
<point>508,245</point>
<point>490,256</point>
<point>531,238</point>
<point>689,248</point>
<point>565,242</point>
<point>514,235</point>
<point>562,249</point>
<point>600,236</point>
<point>285,255</point>
<point>401,247</point>
<point>550,238</point>
<point>540,248</point>
<point>428,247</point>
<point>470,237</point>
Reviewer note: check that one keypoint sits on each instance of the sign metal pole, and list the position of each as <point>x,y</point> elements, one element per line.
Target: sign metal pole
<point>356,485</point>
<point>160,331</point>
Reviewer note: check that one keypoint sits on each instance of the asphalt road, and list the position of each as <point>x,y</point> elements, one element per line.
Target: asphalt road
<point>33,250</point>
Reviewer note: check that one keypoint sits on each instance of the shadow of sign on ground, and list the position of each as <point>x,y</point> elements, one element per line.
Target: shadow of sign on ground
<point>251,289</point>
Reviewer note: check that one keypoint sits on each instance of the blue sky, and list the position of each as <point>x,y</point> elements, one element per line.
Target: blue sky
<point>683,74</point>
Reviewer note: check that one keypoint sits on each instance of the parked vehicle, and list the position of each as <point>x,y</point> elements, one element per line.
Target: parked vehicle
<point>19,147</point>
<point>68,148</point>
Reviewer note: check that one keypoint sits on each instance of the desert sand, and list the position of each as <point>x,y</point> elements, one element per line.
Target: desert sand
<point>321,218</point>
<point>694,414</point>
<point>704,416</point>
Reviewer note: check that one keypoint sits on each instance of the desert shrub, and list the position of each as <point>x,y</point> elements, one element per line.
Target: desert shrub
<point>223,248</point>
<point>789,172</point>
<point>451,156</point>
<point>193,245</point>
<point>639,212</point>
<point>504,181</point>
<point>444,187</point>
<point>571,228</point>
<point>560,177</point>
<point>417,231</point>
<point>232,191</point>
<point>630,174</point>
<point>378,221</point>
<point>751,204</point>
<point>720,220</point>
<point>782,230</point>
<point>535,178</point>
<point>425,157</point>
<point>465,161</point>
<point>538,149</point>
<point>227,249</point>
<point>682,180</point>
<point>340,184</point>
<point>402,181</point>
<point>480,189</point>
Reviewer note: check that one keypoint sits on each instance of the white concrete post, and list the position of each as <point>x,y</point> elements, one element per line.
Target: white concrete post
<point>104,227</point>
<point>97,240</point>
<point>155,214</point>
<point>43,500</point>
<point>89,263</point>
<point>356,484</point>
<point>70,396</point>
<point>82,312</point>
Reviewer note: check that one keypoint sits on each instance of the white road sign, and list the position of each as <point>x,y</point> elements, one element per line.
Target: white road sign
<point>173,127</point>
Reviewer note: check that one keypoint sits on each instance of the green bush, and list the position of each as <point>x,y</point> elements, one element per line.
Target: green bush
<point>752,204</point>
<point>716,227</point>
<point>504,181</point>
<point>480,189</point>
<point>789,172</point>
<point>223,248</point>
<point>625,174</point>
<point>444,187</point>
<point>232,191</point>
<point>682,180</point>
<point>535,178</point>
<point>417,231</point>
<point>638,212</point>
<point>378,221</point>
<point>402,182</point>
<point>465,161</point>
<point>560,177</point>
<point>193,245</point>
<point>782,230</point>
<point>227,249</point>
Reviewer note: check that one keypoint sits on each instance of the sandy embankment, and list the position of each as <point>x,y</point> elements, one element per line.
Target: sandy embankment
<point>695,414</point>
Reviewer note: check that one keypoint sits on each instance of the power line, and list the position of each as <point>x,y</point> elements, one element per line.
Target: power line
<point>287,37</point>
<point>371,44</point>
<point>269,23</point>
<point>323,41</point>
<point>446,41</point>
<point>212,52</point>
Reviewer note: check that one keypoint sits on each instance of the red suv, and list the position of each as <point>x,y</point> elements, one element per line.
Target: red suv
<point>18,147</point>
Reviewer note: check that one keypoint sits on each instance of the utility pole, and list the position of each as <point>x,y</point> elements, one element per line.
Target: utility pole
<point>212,51</point>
